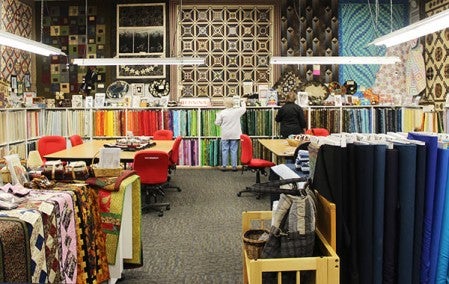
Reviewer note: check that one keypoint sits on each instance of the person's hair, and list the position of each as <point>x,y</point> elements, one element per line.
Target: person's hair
<point>228,102</point>
<point>291,97</point>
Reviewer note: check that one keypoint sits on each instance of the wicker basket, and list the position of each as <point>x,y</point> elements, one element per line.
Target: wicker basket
<point>104,172</point>
<point>6,175</point>
<point>253,245</point>
<point>294,142</point>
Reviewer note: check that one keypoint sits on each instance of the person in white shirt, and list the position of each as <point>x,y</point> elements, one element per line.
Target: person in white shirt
<point>229,121</point>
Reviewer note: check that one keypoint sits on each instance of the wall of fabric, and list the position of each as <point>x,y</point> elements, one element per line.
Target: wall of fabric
<point>391,208</point>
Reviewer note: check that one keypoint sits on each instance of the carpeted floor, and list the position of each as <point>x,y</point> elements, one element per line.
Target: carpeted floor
<point>199,239</point>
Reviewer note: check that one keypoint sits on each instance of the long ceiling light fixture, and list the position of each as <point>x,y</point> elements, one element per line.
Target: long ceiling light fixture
<point>329,60</point>
<point>29,45</point>
<point>138,61</point>
<point>418,29</point>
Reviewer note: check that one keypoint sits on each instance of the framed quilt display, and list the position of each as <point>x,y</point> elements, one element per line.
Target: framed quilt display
<point>141,33</point>
<point>235,40</point>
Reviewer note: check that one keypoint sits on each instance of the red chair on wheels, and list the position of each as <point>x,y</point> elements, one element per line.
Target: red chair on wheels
<point>76,140</point>
<point>251,163</point>
<point>152,168</point>
<point>50,144</point>
<point>163,134</point>
<point>318,132</point>
<point>174,158</point>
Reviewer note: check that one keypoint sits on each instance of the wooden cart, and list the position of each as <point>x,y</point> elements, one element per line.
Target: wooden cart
<point>326,265</point>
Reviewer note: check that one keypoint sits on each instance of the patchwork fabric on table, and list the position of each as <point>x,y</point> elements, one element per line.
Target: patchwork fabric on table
<point>111,207</point>
<point>61,256</point>
<point>91,241</point>
<point>49,212</point>
<point>15,254</point>
<point>68,235</point>
<point>37,241</point>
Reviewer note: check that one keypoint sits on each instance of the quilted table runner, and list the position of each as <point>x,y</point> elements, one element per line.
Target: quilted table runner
<point>111,205</point>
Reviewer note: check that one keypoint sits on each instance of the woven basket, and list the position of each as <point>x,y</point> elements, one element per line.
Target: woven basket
<point>294,142</point>
<point>252,244</point>
<point>6,175</point>
<point>104,172</point>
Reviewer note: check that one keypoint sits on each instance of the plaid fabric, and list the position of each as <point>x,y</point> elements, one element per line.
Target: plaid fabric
<point>293,231</point>
<point>288,245</point>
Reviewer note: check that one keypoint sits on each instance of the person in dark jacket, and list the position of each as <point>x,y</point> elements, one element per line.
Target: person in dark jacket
<point>291,117</point>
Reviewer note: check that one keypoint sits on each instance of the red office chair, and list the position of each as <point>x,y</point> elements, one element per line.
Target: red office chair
<point>163,134</point>
<point>317,132</point>
<point>152,168</point>
<point>250,163</point>
<point>50,144</point>
<point>174,158</point>
<point>76,140</point>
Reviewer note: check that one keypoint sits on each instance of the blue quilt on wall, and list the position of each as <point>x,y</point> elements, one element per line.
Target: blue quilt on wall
<point>358,27</point>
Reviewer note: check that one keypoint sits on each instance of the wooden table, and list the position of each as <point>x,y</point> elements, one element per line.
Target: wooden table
<point>279,148</point>
<point>87,150</point>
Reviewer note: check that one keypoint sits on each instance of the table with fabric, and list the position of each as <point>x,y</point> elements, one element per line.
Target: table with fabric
<point>280,150</point>
<point>89,149</point>
<point>66,241</point>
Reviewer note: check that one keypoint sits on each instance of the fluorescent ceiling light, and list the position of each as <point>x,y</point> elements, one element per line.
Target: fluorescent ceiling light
<point>29,45</point>
<point>138,61</point>
<point>418,29</point>
<point>334,60</point>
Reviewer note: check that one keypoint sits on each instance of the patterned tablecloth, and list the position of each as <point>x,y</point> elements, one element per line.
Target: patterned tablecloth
<point>66,240</point>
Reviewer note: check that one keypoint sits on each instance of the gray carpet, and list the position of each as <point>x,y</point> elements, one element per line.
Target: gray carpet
<point>199,239</point>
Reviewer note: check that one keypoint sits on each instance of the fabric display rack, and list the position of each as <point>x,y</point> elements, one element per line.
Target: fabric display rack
<point>387,187</point>
<point>200,144</point>
<point>70,234</point>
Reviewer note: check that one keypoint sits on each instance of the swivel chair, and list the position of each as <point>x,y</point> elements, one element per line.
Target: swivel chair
<point>50,144</point>
<point>163,134</point>
<point>152,168</point>
<point>174,158</point>
<point>251,163</point>
<point>76,140</point>
<point>317,132</point>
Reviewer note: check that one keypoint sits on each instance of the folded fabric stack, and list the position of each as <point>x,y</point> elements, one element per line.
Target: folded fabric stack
<point>302,161</point>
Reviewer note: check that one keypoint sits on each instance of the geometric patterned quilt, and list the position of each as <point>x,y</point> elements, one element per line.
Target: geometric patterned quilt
<point>16,18</point>
<point>436,54</point>
<point>236,41</point>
